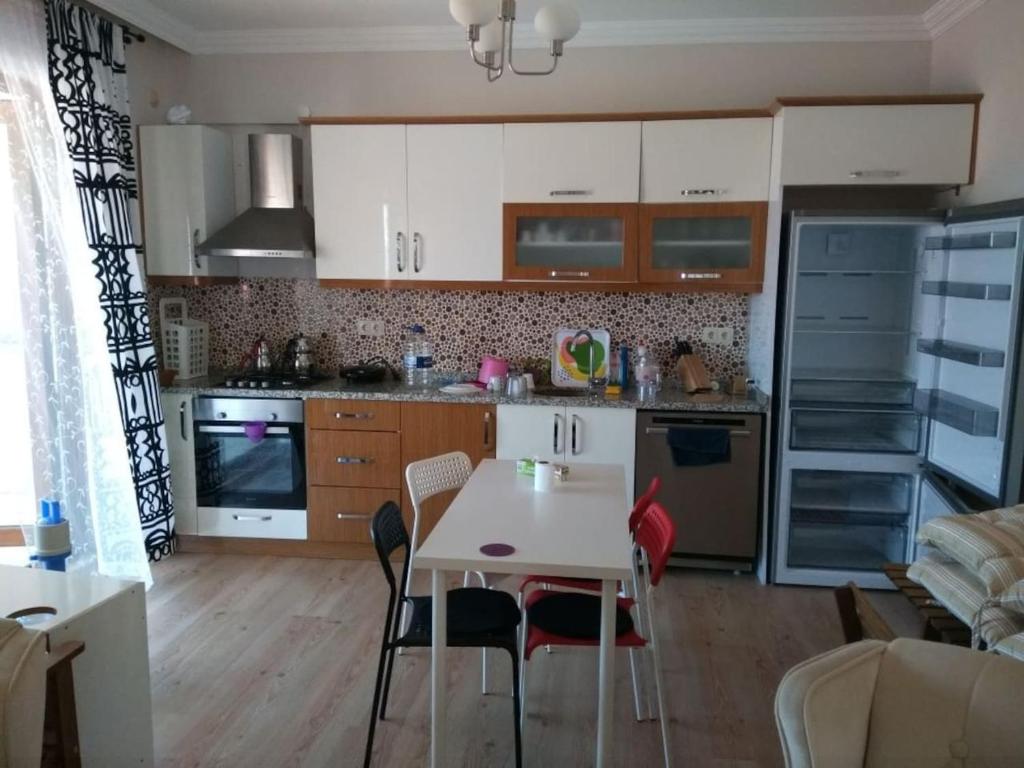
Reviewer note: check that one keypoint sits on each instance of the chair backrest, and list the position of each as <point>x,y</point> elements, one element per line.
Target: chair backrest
<point>388,532</point>
<point>656,535</point>
<point>429,477</point>
<point>641,505</point>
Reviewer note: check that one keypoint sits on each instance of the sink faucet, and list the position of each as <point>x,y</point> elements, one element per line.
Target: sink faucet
<point>580,334</point>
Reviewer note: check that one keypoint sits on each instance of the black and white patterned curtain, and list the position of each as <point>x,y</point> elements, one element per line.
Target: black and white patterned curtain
<point>87,75</point>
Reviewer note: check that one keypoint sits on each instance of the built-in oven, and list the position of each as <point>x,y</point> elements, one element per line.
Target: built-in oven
<point>250,460</point>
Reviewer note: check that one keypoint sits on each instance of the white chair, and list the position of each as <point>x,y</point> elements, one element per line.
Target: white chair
<point>427,478</point>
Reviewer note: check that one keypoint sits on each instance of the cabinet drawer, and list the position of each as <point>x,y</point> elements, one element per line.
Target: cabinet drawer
<point>355,459</point>
<point>344,514</point>
<point>353,415</point>
<point>252,523</point>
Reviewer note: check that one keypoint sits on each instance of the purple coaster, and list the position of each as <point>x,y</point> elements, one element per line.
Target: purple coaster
<point>497,550</point>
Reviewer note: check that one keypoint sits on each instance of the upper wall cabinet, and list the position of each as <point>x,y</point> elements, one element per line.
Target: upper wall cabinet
<point>878,144</point>
<point>693,161</point>
<point>572,162</point>
<point>188,194</point>
<point>417,202</point>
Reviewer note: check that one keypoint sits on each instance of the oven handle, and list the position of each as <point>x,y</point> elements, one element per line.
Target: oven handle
<point>664,430</point>
<point>254,518</point>
<point>240,430</point>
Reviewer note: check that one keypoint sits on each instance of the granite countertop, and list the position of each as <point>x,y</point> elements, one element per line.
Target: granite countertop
<point>670,398</point>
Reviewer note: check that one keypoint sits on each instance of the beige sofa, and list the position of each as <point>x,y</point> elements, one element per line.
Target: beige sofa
<point>905,704</point>
<point>22,694</point>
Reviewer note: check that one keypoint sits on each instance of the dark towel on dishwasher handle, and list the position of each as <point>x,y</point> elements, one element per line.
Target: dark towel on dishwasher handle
<point>698,447</point>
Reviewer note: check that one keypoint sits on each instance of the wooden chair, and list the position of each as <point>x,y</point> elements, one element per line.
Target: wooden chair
<point>858,616</point>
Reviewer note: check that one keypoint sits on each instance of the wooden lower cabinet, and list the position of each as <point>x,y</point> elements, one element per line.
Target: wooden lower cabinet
<point>354,459</point>
<point>429,429</point>
<point>344,514</point>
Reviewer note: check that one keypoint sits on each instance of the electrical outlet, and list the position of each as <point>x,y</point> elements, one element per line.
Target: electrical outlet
<point>721,335</point>
<point>370,327</point>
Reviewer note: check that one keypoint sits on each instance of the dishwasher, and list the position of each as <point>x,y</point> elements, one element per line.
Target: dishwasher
<point>715,505</point>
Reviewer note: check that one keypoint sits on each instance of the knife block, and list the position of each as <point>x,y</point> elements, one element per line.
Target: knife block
<point>692,374</point>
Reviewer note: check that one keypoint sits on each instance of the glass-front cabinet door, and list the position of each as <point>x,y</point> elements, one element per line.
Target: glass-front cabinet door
<point>581,242</point>
<point>703,243</point>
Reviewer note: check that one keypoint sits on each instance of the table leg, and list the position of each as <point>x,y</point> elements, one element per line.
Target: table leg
<point>606,674</point>
<point>438,669</point>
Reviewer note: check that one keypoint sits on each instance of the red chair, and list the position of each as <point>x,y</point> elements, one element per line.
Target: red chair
<point>594,585</point>
<point>574,618</point>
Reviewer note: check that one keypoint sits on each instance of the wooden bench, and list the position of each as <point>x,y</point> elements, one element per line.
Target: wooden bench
<point>939,624</point>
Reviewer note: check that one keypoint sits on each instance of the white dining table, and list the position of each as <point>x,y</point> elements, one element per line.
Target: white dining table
<point>576,530</point>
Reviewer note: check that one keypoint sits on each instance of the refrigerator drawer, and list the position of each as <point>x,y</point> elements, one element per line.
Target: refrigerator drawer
<point>866,493</point>
<point>845,546</point>
<point>847,387</point>
<point>865,431</point>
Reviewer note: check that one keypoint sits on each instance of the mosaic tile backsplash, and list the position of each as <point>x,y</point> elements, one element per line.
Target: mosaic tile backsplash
<point>464,325</point>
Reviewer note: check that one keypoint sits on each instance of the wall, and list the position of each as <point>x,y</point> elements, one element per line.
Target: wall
<point>158,76</point>
<point>985,52</point>
<point>464,325</point>
<point>273,87</point>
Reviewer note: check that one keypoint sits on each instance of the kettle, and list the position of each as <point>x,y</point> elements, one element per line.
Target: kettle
<point>259,356</point>
<point>298,356</point>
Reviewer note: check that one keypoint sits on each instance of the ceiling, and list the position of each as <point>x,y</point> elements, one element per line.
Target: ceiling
<point>258,26</point>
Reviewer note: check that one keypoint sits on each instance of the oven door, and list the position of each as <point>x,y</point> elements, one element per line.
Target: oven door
<point>239,471</point>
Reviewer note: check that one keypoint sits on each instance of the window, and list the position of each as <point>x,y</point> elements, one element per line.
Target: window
<point>17,491</point>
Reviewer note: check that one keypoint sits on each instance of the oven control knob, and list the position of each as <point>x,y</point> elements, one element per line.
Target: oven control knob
<point>273,417</point>
<point>222,415</point>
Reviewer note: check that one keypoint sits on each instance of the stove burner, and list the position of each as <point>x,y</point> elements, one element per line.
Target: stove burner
<point>271,381</point>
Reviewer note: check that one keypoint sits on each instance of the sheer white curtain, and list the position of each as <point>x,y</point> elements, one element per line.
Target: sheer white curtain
<point>58,353</point>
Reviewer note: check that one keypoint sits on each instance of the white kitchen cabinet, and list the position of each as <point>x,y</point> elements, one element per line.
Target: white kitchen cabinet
<point>181,454</point>
<point>454,182</point>
<point>187,177</point>
<point>877,144</point>
<point>417,202</point>
<point>584,435</point>
<point>693,161</point>
<point>359,184</point>
<point>572,162</point>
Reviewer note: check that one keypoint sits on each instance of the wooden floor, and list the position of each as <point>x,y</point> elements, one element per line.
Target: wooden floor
<point>262,661</point>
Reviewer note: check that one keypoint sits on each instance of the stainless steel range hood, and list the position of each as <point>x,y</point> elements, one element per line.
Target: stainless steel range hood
<point>276,226</point>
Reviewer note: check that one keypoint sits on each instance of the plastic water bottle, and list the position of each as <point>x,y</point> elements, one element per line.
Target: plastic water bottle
<point>417,357</point>
<point>647,373</point>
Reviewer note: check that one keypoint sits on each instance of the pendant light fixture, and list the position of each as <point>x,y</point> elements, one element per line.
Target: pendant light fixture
<point>490,25</point>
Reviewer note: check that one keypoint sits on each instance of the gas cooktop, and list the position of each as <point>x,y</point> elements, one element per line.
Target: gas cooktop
<point>273,380</point>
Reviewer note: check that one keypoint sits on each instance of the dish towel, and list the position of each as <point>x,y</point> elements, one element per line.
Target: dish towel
<point>698,447</point>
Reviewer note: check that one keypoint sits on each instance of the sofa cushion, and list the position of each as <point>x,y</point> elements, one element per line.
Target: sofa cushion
<point>939,705</point>
<point>989,544</point>
<point>963,595</point>
<point>1012,646</point>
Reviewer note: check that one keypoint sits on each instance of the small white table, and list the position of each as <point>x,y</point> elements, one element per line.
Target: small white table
<point>578,530</point>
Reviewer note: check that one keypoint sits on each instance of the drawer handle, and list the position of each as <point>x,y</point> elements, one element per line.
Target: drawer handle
<point>341,415</point>
<point>354,460</point>
<point>571,192</point>
<point>253,518</point>
<point>566,273</point>
<point>664,431</point>
<point>702,192</point>
<point>878,173</point>
<point>353,516</point>
<point>700,275</point>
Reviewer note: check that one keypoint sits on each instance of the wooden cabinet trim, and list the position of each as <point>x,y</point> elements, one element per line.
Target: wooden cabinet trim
<point>511,212</point>
<point>875,100</point>
<point>578,117</point>
<point>758,213</point>
<point>564,286</point>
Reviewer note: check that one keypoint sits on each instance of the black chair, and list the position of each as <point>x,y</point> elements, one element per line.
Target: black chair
<point>477,618</point>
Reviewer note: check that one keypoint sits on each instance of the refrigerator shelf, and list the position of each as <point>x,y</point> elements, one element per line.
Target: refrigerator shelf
<point>846,329</point>
<point>850,374</point>
<point>845,517</point>
<point>845,547</point>
<point>875,493</point>
<point>960,290</point>
<point>969,354</point>
<point>978,240</point>
<point>854,272</point>
<point>961,413</point>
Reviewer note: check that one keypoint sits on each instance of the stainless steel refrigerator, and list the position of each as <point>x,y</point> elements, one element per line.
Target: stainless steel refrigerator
<point>898,384</point>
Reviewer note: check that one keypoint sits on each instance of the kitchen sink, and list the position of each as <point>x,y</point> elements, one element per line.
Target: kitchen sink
<point>564,392</point>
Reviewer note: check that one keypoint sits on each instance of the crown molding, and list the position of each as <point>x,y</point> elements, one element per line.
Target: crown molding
<point>946,14</point>
<point>943,15</point>
<point>151,19</point>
